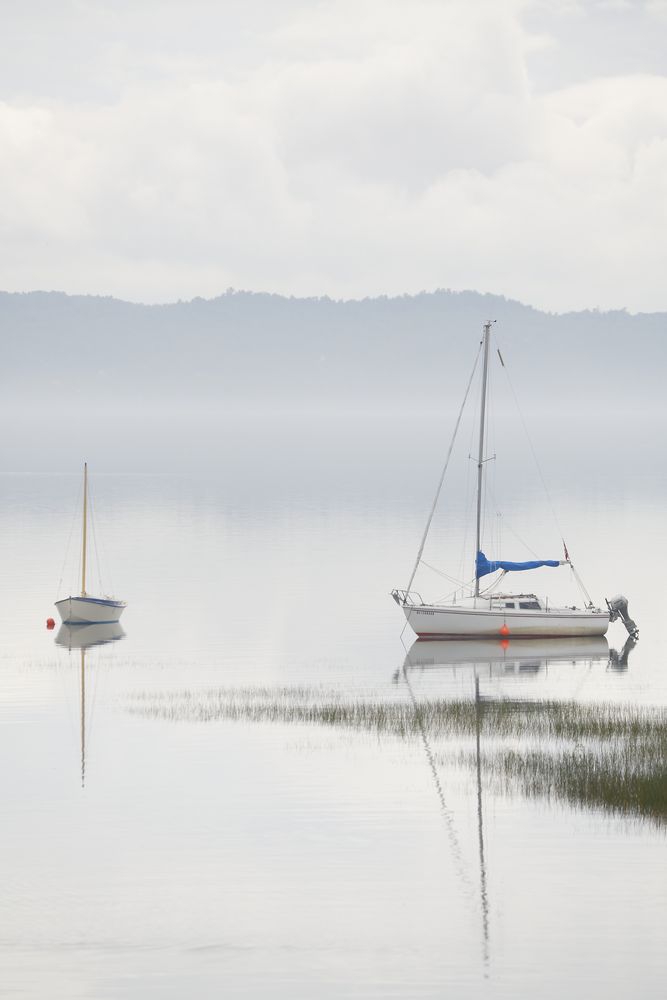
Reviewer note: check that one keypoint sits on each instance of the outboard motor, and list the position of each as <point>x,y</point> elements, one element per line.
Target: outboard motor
<point>618,608</point>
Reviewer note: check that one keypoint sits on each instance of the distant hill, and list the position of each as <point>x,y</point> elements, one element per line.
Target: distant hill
<point>245,347</point>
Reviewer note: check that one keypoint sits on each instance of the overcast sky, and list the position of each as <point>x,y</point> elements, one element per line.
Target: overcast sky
<point>162,149</point>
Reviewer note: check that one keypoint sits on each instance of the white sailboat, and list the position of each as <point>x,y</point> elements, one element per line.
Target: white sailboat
<point>85,609</point>
<point>487,613</point>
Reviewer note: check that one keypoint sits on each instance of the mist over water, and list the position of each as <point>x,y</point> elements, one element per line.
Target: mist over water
<point>270,794</point>
<point>258,783</point>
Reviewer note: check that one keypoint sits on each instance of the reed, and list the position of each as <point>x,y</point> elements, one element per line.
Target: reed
<point>604,777</point>
<point>608,756</point>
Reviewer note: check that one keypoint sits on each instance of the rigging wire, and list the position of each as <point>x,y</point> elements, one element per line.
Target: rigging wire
<point>67,548</point>
<point>464,590</point>
<point>97,546</point>
<point>460,584</point>
<point>584,591</point>
<point>468,503</point>
<point>507,524</point>
<point>445,576</point>
<point>107,564</point>
<point>530,445</point>
<point>442,477</point>
<point>101,559</point>
<point>581,584</point>
<point>94,534</point>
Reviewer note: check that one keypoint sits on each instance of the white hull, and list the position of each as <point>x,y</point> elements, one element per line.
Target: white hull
<point>438,622</point>
<point>89,610</point>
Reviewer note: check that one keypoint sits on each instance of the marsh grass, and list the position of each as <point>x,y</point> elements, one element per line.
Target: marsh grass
<point>612,757</point>
<point>608,777</point>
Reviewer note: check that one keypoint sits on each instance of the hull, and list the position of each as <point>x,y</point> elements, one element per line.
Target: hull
<point>432,621</point>
<point>89,610</point>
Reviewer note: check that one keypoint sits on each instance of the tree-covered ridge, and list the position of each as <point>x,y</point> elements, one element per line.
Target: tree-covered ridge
<point>245,345</point>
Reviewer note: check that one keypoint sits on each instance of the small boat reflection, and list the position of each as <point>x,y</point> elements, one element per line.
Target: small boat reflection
<point>500,657</point>
<point>83,636</point>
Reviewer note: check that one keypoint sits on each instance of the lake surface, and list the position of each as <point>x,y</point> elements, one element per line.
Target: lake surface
<point>261,787</point>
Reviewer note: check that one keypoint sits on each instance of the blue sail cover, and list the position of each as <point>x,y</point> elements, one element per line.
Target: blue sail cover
<point>485,565</point>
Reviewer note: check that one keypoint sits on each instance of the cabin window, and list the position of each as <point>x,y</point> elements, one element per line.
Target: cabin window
<point>510,604</point>
<point>530,605</point>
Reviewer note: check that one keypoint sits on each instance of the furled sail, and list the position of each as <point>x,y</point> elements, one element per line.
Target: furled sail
<point>485,566</point>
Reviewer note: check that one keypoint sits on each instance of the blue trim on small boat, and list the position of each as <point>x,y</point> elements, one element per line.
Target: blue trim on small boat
<point>71,622</point>
<point>104,601</point>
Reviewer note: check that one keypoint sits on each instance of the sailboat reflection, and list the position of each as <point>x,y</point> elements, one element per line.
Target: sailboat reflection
<point>493,657</point>
<point>82,637</point>
<point>447,812</point>
<point>472,662</point>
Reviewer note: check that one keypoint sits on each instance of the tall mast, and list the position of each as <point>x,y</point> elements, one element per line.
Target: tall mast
<point>480,456</point>
<point>85,527</point>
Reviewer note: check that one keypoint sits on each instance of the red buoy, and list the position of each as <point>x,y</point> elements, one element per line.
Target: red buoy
<point>50,623</point>
<point>504,643</point>
<point>504,630</point>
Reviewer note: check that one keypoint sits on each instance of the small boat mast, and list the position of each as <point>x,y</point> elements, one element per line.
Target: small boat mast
<point>84,539</point>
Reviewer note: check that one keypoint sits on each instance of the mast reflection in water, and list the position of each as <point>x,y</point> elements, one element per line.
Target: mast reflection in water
<point>83,637</point>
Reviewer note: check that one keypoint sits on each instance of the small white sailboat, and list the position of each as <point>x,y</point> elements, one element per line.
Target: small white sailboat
<point>85,609</point>
<point>478,614</point>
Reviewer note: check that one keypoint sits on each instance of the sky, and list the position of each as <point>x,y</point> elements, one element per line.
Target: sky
<point>158,150</point>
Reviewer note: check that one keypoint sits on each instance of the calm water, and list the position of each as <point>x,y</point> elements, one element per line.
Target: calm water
<point>264,791</point>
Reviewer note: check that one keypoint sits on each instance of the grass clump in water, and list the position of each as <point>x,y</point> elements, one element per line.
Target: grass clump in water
<point>608,756</point>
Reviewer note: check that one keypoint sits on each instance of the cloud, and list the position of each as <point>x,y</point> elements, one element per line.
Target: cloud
<point>339,148</point>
